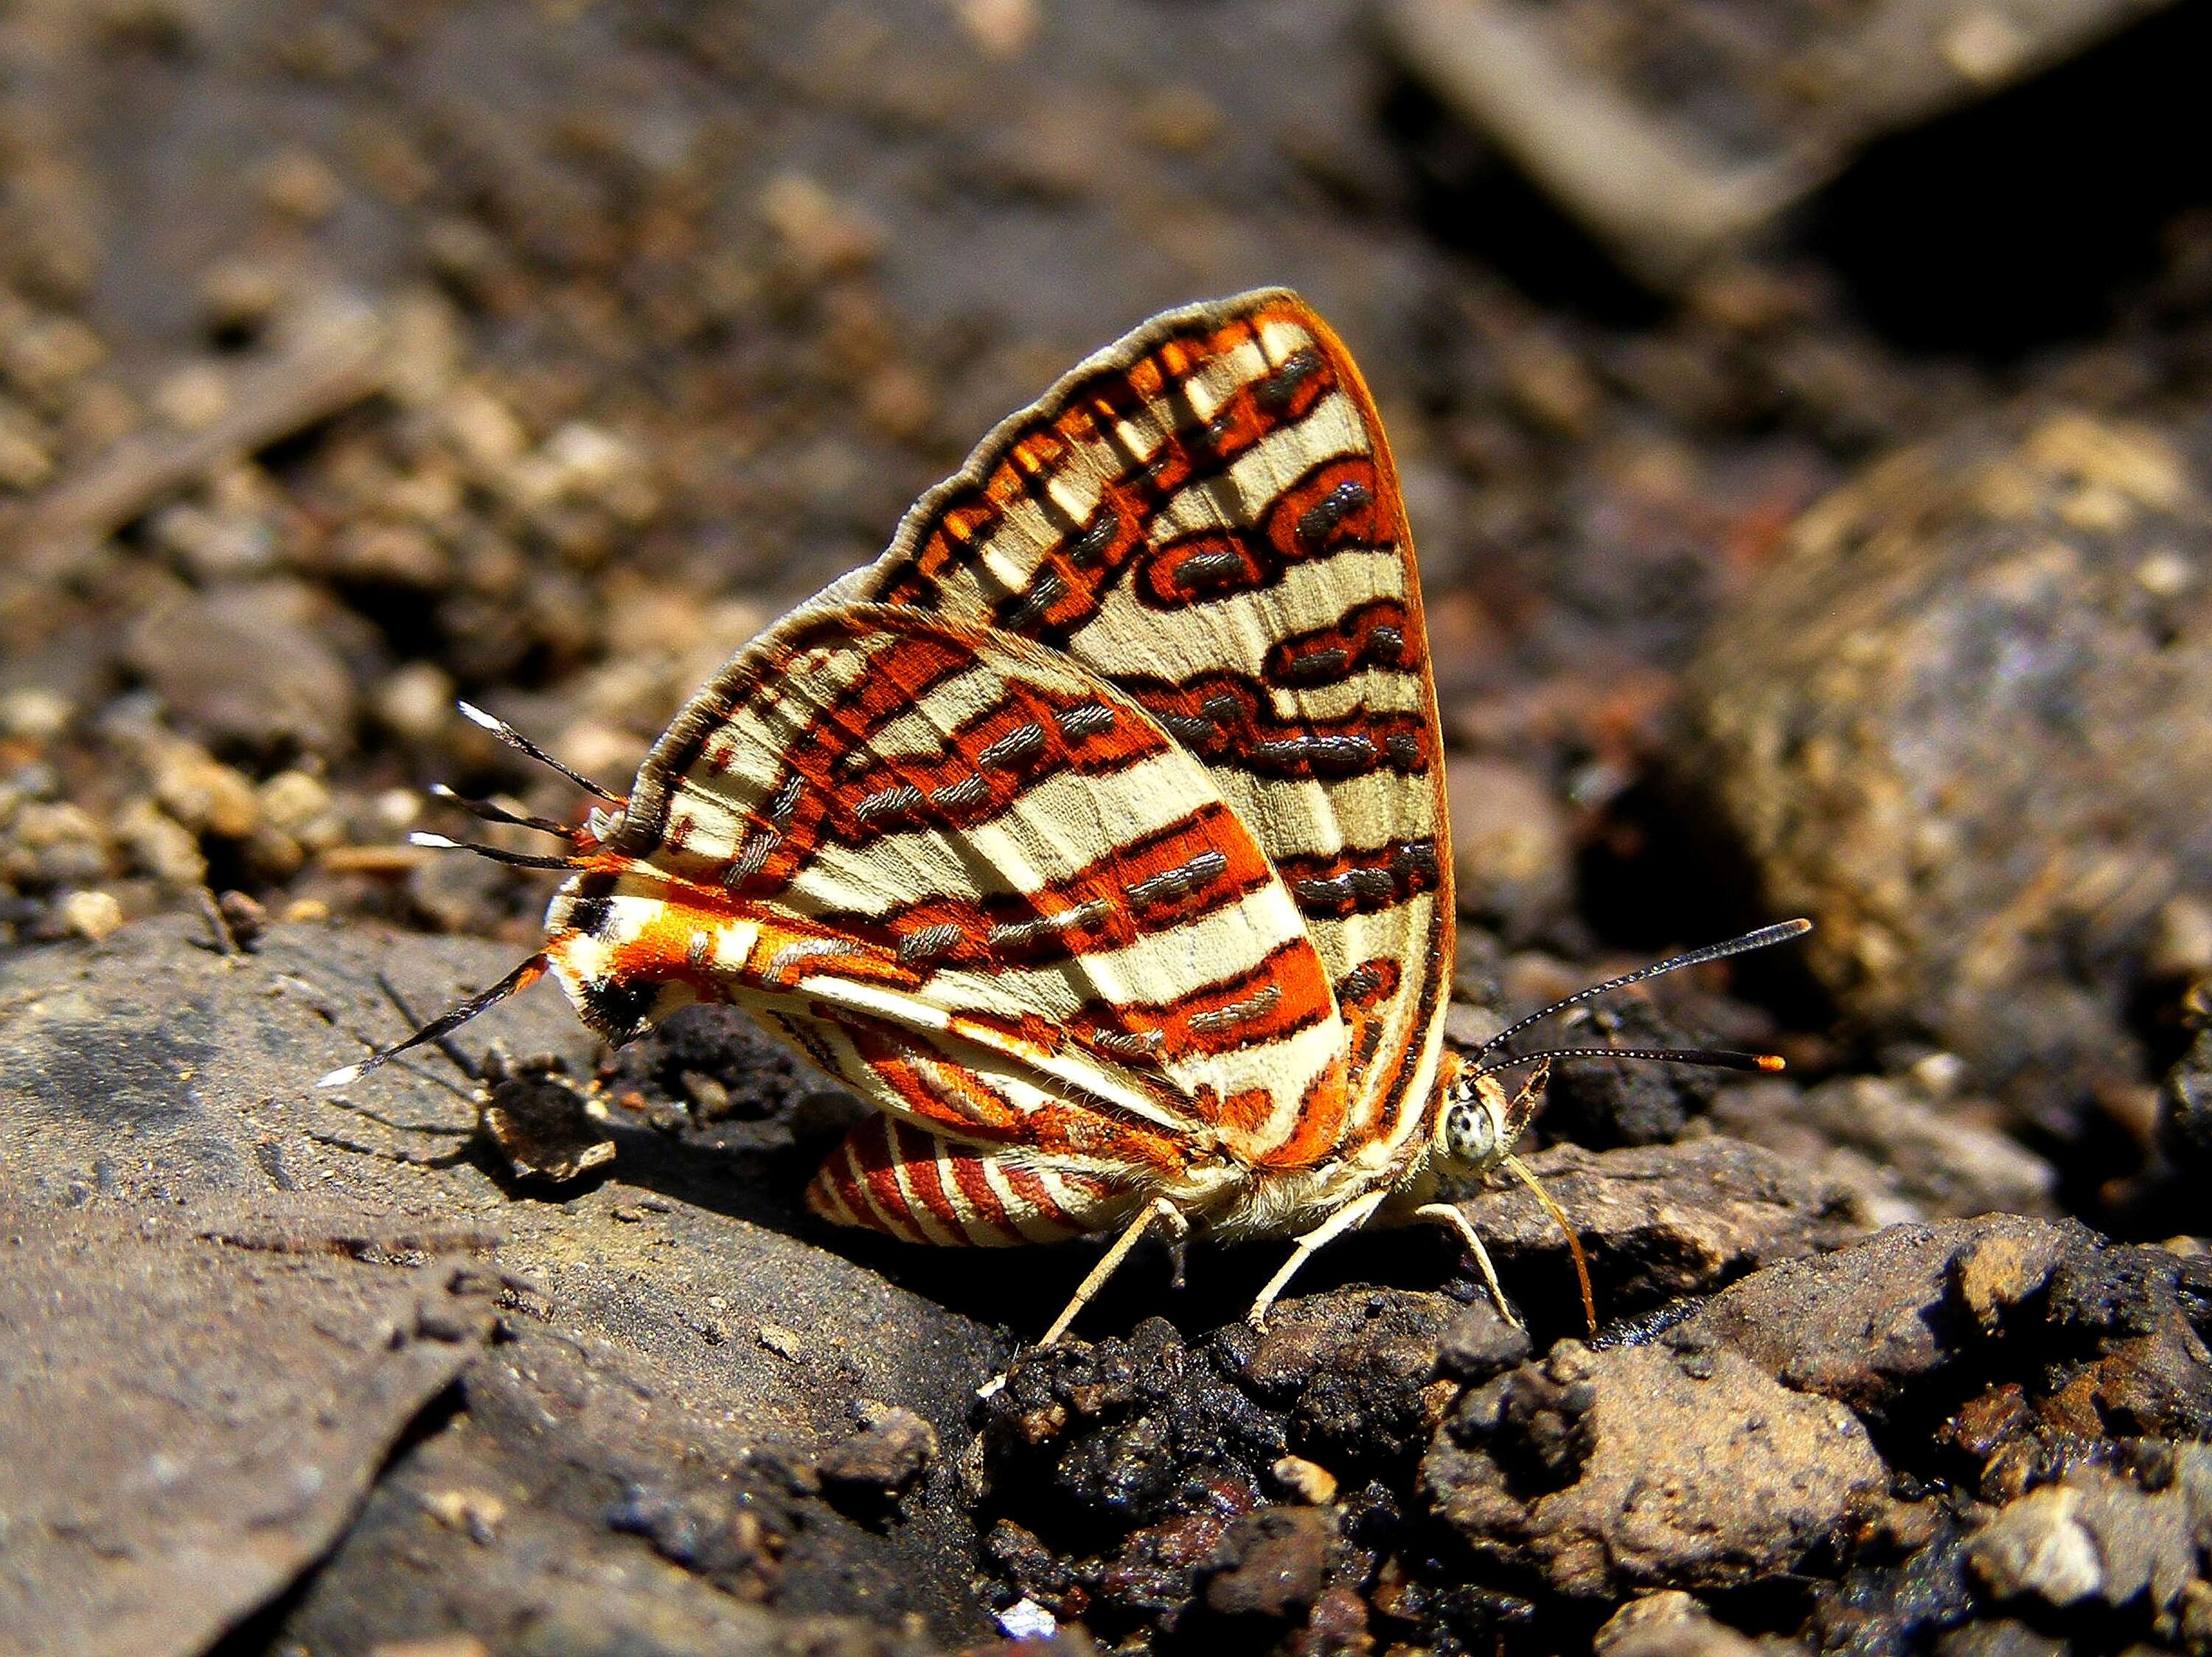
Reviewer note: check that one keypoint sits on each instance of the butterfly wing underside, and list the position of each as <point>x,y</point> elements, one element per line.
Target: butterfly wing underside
<point>967,877</point>
<point>1206,514</point>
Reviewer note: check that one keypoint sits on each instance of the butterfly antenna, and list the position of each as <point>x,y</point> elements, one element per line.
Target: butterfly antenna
<point>514,739</point>
<point>1782,932</point>
<point>515,859</point>
<point>491,811</point>
<point>1717,1058</point>
<point>1520,1170</point>
<point>445,1045</point>
<point>445,1024</point>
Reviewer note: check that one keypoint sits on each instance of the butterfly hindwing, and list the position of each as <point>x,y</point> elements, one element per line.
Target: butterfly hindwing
<point>1206,514</point>
<point>966,875</point>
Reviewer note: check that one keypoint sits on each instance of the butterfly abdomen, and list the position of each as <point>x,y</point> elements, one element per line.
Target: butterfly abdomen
<point>924,1188</point>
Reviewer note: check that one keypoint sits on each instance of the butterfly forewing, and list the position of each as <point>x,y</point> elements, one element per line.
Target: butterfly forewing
<point>970,877</point>
<point>1207,515</point>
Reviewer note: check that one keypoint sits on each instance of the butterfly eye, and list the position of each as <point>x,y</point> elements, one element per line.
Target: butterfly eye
<point>1470,1135</point>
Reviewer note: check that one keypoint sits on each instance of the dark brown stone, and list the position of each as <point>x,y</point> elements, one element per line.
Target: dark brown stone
<point>1272,1563</point>
<point>1648,1466</point>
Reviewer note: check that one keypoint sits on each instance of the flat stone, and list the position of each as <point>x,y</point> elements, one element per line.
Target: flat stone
<point>155,1080</point>
<point>1904,1156</point>
<point>1867,1325</point>
<point>252,668</point>
<point>1659,1221</point>
<point>1648,1466</point>
<point>196,1404</point>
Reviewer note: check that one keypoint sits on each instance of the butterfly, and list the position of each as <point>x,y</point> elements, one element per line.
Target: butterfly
<point>1095,833</point>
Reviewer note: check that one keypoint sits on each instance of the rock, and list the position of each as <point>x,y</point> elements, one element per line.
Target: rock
<point>1670,139</point>
<point>1480,1343</point>
<point>2096,1537</point>
<point>625,1425</point>
<point>1670,1623</point>
<point>1270,1564</point>
<point>893,1444</point>
<point>1918,1307</point>
<point>1356,1372</point>
<point>250,668</point>
<point>1870,1326</point>
<point>1604,1104</point>
<point>1511,860</point>
<point>1658,1220</point>
<point>1890,1598</point>
<point>1309,1481</point>
<point>2185,1120</point>
<point>93,915</point>
<point>1133,1478</point>
<point>2000,1636</point>
<point>198,1399</point>
<point>1943,726</point>
<point>1901,1156</point>
<point>1654,1466</point>
<point>541,1124</point>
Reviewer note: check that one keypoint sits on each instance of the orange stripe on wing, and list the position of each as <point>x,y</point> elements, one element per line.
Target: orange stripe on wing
<point>1152,884</point>
<point>1228,721</point>
<point>1083,418</point>
<point>856,798</point>
<point>1320,1121</point>
<point>1285,992</point>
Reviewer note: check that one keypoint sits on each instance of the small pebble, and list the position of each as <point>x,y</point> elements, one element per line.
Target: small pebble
<point>159,844</point>
<point>415,701</point>
<point>1309,1481</point>
<point>192,398</point>
<point>821,235</point>
<point>35,713</point>
<point>94,914</point>
<point>26,464</point>
<point>46,354</point>
<point>300,184</point>
<point>238,294</point>
<point>1000,28</point>
<point>294,803</point>
<point>205,794</point>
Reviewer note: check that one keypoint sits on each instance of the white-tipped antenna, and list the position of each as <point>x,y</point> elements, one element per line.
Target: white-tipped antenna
<point>514,739</point>
<point>445,1024</point>
<point>515,859</point>
<point>491,811</point>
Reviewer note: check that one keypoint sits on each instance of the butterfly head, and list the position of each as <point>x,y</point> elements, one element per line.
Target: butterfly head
<point>1479,1121</point>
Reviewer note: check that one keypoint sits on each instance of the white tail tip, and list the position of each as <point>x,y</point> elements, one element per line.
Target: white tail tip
<point>435,841</point>
<point>339,1077</point>
<point>470,710</point>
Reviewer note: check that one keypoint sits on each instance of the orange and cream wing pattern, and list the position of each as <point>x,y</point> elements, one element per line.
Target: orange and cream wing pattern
<point>1206,515</point>
<point>968,877</point>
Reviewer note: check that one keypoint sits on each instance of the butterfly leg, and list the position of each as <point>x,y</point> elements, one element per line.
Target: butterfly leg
<point>1352,1215</point>
<point>1159,1212</point>
<point>1447,1216</point>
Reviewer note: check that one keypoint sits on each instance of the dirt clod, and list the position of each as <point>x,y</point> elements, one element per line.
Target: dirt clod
<point>1652,1466</point>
